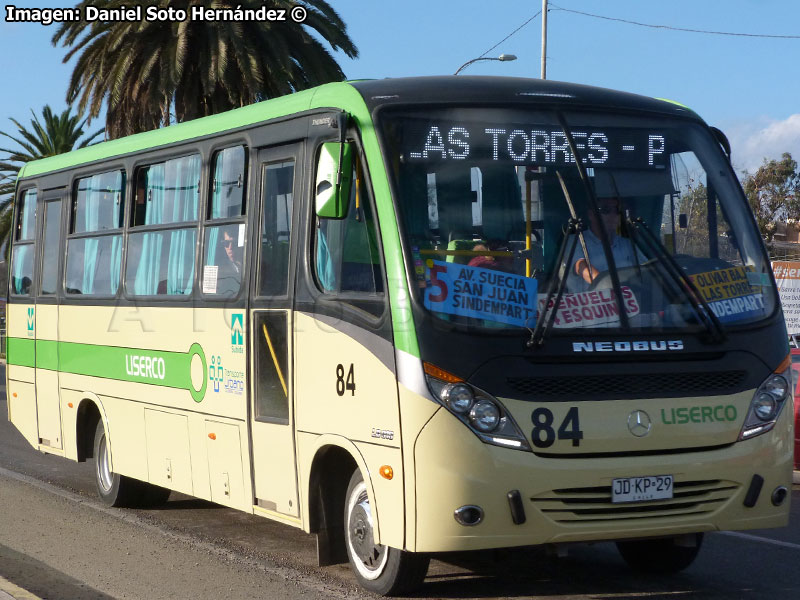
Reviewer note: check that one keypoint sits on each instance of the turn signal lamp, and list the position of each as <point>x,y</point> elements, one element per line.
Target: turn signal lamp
<point>441,374</point>
<point>387,472</point>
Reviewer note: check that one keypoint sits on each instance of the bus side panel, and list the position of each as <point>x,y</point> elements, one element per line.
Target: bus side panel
<point>158,427</point>
<point>21,373</point>
<point>48,402</point>
<point>416,411</point>
<point>343,388</point>
<point>388,492</point>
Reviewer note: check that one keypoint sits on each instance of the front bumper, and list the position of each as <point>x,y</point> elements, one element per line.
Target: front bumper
<point>564,499</point>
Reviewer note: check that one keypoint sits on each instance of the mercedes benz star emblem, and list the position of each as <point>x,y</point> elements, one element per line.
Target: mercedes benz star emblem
<point>639,423</point>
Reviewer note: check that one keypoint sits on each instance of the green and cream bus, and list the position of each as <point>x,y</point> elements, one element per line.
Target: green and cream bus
<point>355,310</point>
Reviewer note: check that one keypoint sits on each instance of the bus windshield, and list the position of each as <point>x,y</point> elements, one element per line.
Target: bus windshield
<point>504,227</point>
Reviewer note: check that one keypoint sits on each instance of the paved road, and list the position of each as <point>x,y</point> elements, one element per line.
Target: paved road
<point>57,541</point>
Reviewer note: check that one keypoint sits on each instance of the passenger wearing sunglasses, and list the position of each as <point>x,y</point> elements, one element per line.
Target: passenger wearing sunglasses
<point>585,269</point>
<point>230,269</point>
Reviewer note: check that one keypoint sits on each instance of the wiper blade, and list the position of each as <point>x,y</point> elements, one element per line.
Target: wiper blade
<point>604,239</point>
<point>673,269</point>
<point>557,283</point>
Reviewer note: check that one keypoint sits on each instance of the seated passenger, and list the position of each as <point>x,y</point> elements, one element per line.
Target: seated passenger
<point>229,278</point>
<point>499,263</point>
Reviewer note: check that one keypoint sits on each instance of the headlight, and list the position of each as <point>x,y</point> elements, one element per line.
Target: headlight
<point>459,397</point>
<point>767,404</point>
<point>483,414</point>
<point>777,386</point>
<point>764,406</point>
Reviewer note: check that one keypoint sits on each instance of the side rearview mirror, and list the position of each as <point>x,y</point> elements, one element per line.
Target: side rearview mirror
<point>333,182</point>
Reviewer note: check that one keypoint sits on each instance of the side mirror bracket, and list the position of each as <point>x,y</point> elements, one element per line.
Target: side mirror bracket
<point>334,174</point>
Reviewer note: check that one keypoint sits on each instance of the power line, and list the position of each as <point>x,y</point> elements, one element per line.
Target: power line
<point>510,34</point>
<point>751,35</point>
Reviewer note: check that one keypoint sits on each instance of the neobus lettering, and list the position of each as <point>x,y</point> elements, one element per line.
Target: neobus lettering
<point>699,414</point>
<point>637,346</point>
<point>145,366</point>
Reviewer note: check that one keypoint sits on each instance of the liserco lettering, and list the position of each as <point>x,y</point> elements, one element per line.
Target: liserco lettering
<point>699,414</point>
<point>145,366</point>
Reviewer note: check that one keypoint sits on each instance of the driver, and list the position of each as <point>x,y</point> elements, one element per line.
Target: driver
<point>583,272</point>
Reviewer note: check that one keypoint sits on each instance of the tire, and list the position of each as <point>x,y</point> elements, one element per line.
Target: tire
<point>380,569</point>
<point>660,556</point>
<point>119,490</point>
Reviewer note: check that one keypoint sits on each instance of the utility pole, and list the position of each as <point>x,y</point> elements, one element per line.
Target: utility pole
<point>544,39</point>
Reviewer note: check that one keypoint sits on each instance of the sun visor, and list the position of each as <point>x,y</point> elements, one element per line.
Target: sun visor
<point>628,183</point>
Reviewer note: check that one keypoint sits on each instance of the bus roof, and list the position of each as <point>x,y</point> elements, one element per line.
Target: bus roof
<point>507,90</point>
<point>361,97</point>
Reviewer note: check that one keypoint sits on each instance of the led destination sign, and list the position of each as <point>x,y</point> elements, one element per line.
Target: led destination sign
<point>535,144</point>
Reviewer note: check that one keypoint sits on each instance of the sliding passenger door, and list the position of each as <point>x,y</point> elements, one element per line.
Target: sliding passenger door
<point>272,413</point>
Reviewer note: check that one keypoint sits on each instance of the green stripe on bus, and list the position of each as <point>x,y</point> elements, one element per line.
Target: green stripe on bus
<point>153,367</point>
<point>47,354</point>
<point>21,352</point>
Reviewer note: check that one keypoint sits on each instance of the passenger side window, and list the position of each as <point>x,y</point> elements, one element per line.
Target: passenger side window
<point>228,183</point>
<point>346,251</point>
<point>159,262</point>
<point>276,226</point>
<point>51,248</point>
<point>94,247</point>
<point>22,256</point>
<point>225,238</point>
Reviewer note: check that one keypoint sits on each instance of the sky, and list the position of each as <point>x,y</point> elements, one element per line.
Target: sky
<point>747,86</point>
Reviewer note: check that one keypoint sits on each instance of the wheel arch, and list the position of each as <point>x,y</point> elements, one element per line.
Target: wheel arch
<point>334,460</point>
<point>90,412</point>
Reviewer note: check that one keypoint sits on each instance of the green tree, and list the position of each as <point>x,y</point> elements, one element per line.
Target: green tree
<point>52,134</point>
<point>146,72</point>
<point>773,192</point>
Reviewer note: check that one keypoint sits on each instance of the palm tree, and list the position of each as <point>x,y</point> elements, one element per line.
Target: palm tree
<point>52,134</point>
<point>147,71</point>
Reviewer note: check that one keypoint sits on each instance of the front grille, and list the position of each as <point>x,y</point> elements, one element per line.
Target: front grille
<point>593,504</point>
<point>639,384</point>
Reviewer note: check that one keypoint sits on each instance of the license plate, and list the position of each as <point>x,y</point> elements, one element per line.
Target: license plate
<point>641,489</point>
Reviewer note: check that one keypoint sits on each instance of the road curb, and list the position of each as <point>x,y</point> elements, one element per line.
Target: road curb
<point>9,591</point>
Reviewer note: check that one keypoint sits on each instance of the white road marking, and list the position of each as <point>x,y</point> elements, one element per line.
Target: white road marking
<point>756,538</point>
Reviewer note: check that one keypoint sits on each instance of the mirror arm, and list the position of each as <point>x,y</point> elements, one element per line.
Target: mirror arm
<point>341,123</point>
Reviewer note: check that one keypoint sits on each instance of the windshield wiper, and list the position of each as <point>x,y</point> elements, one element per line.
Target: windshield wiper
<point>673,269</point>
<point>604,239</point>
<point>558,283</point>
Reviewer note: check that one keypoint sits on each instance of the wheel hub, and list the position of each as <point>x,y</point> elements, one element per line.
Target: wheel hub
<point>361,533</point>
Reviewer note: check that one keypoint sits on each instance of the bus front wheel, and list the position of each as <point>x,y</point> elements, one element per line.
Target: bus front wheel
<point>664,556</point>
<point>118,490</point>
<point>379,569</point>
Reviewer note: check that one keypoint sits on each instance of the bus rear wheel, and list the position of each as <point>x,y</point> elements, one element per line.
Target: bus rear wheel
<point>661,556</point>
<point>118,490</point>
<point>380,569</point>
